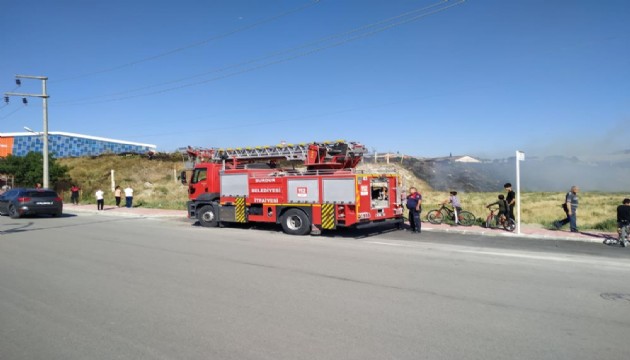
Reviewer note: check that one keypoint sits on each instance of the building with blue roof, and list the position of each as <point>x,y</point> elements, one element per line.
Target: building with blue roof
<point>63,144</point>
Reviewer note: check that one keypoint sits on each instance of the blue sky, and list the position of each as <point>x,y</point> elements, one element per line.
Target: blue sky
<point>481,77</point>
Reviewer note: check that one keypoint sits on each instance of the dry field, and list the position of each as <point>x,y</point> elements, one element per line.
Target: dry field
<point>154,182</point>
<point>156,186</point>
<point>596,211</point>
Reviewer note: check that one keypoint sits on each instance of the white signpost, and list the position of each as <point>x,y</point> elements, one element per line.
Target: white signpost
<point>520,156</point>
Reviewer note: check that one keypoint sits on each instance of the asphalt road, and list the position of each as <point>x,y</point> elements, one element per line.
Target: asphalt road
<point>99,287</point>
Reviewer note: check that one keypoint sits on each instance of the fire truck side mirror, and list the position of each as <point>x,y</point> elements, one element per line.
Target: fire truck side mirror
<point>182,177</point>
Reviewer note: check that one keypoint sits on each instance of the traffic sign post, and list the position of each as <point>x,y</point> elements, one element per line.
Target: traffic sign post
<point>520,156</point>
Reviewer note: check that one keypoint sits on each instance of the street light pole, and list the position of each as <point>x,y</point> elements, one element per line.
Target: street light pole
<point>44,97</point>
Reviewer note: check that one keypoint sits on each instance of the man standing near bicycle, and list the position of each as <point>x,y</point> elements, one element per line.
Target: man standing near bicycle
<point>511,200</point>
<point>414,204</point>
<point>623,221</point>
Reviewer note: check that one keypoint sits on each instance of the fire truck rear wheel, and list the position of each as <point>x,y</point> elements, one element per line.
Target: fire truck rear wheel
<point>207,216</point>
<point>296,222</point>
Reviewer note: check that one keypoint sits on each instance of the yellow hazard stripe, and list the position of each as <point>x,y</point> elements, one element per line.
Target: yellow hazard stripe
<point>240,209</point>
<point>328,216</point>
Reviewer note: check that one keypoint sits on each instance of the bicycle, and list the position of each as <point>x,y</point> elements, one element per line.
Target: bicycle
<point>622,240</point>
<point>624,232</point>
<point>493,221</point>
<point>444,213</point>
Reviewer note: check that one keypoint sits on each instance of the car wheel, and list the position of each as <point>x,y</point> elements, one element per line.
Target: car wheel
<point>13,213</point>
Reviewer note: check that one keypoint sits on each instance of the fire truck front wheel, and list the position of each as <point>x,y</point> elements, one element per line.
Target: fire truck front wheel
<point>207,216</point>
<point>296,222</point>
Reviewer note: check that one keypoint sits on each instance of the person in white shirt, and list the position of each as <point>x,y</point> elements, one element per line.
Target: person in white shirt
<point>128,196</point>
<point>99,199</point>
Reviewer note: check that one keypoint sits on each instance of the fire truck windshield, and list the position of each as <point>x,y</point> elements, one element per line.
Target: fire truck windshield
<point>198,175</point>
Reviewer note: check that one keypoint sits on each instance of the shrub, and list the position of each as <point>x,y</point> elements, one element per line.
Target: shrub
<point>606,225</point>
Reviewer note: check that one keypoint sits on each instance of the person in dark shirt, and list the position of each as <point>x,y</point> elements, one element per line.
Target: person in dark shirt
<point>511,200</point>
<point>623,221</point>
<point>414,204</point>
<point>503,206</point>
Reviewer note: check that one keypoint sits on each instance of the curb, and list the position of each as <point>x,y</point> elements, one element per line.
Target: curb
<point>550,235</point>
<point>133,212</point>
<point>515,235</point>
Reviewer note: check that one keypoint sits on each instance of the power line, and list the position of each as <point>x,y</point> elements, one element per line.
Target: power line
<point>18,84</point>
<point>7,102</point>
<point>12,112</point>
<point>270,56</point>
<point>314,116</point>
<point>295,56</point>
<point>190,46</point>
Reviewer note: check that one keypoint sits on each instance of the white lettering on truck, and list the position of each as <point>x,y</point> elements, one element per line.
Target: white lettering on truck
<point>266,190</point>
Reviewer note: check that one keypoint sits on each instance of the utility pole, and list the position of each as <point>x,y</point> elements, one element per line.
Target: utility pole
<point>44,97</point>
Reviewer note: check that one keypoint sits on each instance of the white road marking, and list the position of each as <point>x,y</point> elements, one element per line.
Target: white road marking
<point>620,264</point>
<point>388,244</point>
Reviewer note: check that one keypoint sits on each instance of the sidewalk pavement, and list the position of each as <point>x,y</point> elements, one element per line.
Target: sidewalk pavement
<point>123,211</point>
<point>532,231</point>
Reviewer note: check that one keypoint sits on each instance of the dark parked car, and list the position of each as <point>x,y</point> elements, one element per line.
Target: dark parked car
<point>19,202</point>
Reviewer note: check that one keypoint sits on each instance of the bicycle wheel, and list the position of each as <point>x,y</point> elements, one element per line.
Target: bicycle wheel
<point>623,236</point>
<point>466,218</point>
<point>509,225</point>
<point>435,217</point>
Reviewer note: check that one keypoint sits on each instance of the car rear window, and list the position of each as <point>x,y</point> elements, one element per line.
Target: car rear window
<point>41,194</point>
<point>11,193</point>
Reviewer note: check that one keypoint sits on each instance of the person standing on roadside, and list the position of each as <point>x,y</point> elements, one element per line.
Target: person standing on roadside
<point>570,207</point>
<point>414,204</point>
<point>100,201</point>
<point>511,200</point>
<point>128,196</point>
<point>623,221</point>
<point>117,195</point>
<point>75,194</point>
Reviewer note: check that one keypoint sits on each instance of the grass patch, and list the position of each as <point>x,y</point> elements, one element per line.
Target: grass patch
<point>597,211</point>
<point>606,225</point>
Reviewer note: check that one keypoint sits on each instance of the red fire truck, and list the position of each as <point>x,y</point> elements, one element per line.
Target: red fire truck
<point>319,189</point>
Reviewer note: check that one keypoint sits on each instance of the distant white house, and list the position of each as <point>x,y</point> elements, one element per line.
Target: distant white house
<point>462,158</point>
<point>466,159</point>
<point>389,155</point>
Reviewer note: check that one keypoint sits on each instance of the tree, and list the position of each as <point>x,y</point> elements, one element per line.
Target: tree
<point>28,170</point>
